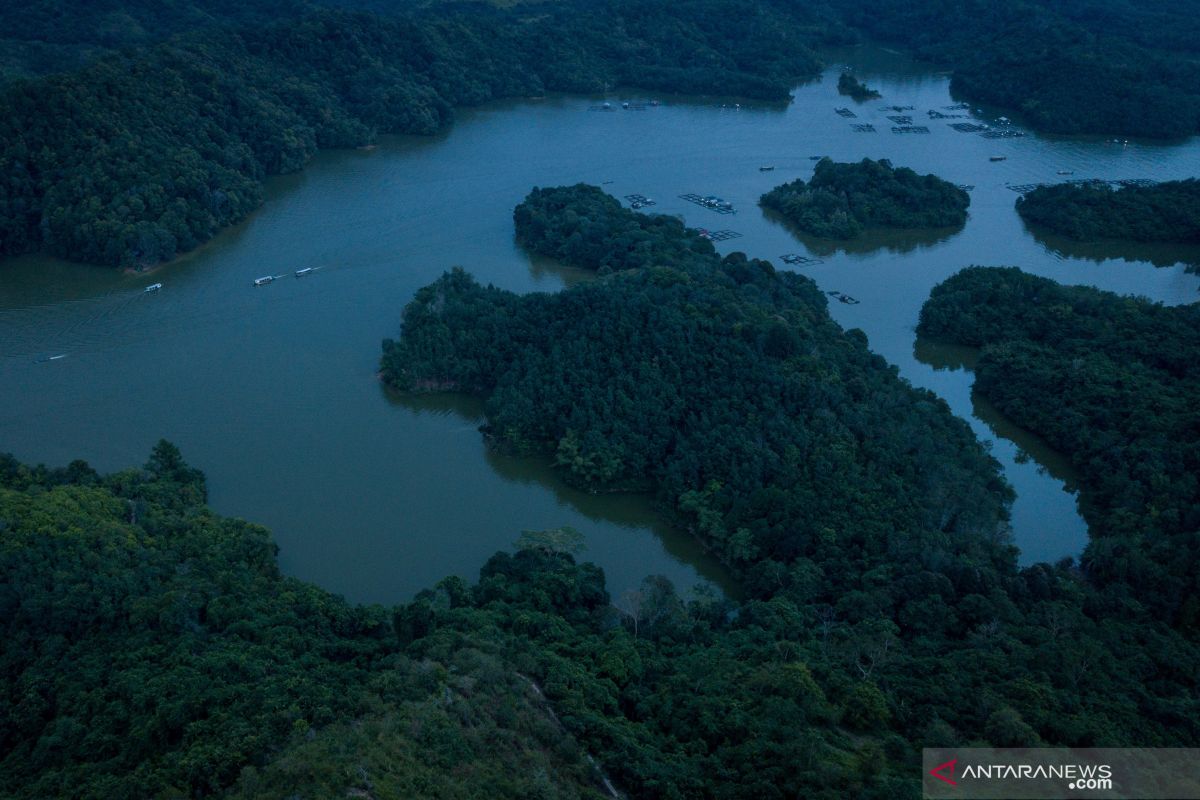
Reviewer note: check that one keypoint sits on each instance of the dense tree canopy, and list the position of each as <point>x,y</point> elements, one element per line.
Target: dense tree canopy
<point>145,154</point>
<point>1111,382</point>
<point>1067,66</point>
<point>1166,212</point>
<point>864,519</point>
<point>720,382</point>
<point>164,137</point>
<point>152,649</point>
<point>840,201</point>
<point>850,85</point>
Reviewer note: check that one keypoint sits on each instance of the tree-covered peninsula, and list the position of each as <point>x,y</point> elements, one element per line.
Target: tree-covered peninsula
<point>852,87</point>
<point>146,153</point>
<point>840,201</point>
<point>1164,212</point>
<point>1111,382</point>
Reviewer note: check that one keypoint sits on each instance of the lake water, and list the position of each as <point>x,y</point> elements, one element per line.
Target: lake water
<point>272,390</point>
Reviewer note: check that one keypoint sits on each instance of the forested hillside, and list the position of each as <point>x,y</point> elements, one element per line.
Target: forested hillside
<point>1079,66</point>
<point>145,154</point>
<point>840,201</point>
<point>1111,382</point>
<point>1166,212</point>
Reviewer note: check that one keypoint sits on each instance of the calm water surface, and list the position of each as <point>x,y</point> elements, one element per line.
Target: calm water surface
<point>272,390</point>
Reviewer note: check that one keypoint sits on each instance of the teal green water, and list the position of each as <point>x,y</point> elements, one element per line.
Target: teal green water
<point>272,390</point>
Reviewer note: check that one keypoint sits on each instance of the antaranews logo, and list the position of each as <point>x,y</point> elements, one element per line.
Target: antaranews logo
<point>1054,773</point>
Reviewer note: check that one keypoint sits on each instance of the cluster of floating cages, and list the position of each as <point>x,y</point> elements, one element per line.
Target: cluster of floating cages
<point>799,260</point>
<point>626,105</point>
<point>845,298</point>
<point>845,112</point>
<point>863,127</point>
<point>909,129</point>
<point>968,127</point>
<point>1007,133</point>
<point>711,202</point>
<point>1025,188</point>
<point>901,119</point>
<point>717,236</point>
<point>638,201</point>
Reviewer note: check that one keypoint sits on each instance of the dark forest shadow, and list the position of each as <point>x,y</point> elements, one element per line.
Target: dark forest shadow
<point>874,239</point>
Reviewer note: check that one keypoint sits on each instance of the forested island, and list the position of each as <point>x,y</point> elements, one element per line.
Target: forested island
<point>850,85</point>
<point>1110,382</point>
<point>840,201</point>
<point>1164,212</point>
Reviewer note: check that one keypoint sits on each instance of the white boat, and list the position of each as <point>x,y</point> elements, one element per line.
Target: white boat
<point>300,273</point>
<point>264,280</point>
<point>154,287</point>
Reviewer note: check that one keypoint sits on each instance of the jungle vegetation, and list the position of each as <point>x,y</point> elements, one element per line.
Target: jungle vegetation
<point>1165,212</point>
<point>132,131</point>
<point>145,153</point>
<point>151,648</point>
<point>1111,382</point>
<point>850,85</point>
<point>840,201</point>
<point>1070,66</point>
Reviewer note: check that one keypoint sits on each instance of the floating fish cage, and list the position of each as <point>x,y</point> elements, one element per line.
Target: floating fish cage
<point>1004,134</point>
<point>638,201</point>
<point>909,129</point>
<point>799,260</point>
<point>901,119</point>
<point>968,127</point>
<point>863,128</point>
<point>845,112</point>
<point>898,109</point>
<point>711,202</point>
<point>718,236</point>
<point>958,107</point>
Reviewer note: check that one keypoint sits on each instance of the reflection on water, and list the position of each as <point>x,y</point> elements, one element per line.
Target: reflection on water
<point>628,511</point>
<point>888,240</point>
<point>1159,254</point>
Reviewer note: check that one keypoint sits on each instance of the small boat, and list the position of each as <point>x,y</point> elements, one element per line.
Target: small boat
<point>625,105</point>
<point>264,280</point>
<point>44,359</point>
<point>154,287</point>
<point>998,158</point>
<point>765,169</point>
<point>1066,172</point>
<point>300,273</point>
<point>815,158</point>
